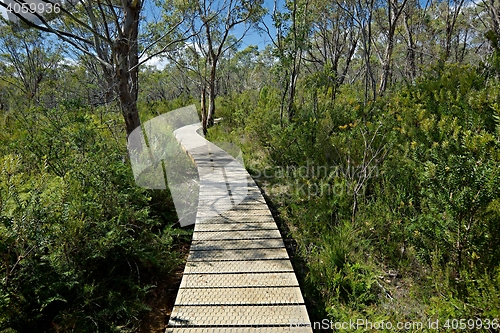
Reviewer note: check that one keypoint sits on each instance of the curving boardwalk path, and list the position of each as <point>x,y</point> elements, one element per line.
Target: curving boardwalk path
<point>238,277</point>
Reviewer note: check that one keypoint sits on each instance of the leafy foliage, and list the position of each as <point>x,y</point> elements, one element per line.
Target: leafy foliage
<point>79,242</point>
<point>418,238</point>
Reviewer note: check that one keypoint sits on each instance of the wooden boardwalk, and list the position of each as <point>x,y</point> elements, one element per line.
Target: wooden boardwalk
<point>238,277</point>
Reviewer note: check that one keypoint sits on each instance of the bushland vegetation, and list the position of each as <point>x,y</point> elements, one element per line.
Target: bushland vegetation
<point>372,126</point>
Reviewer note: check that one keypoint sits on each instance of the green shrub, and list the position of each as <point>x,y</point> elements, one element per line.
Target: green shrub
<point>79,242</point>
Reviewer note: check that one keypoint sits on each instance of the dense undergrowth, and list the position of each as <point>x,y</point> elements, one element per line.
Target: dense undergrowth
<point>80,244</point>
<point>394,204</point>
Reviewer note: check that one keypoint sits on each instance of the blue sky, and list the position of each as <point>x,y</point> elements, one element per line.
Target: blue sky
<point>261,40</point>
<point>253,37</point>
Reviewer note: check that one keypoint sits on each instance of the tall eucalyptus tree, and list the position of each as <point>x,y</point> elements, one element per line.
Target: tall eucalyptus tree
<point>290,38</point>
<point>393,10</point>
<point>106,31</point>
<point>335,39</point>
<point>211,23</point>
